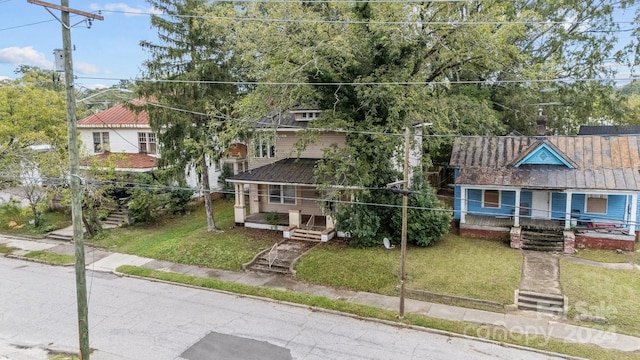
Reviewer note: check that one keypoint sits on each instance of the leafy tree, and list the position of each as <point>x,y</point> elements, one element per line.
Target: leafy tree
<point>191,52</point>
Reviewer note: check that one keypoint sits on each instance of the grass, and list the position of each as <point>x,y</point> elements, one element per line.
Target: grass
<point>21,217</point>
<point>6,250</point>
<point>482,331</point>
<point>185,240</point>
<point>453,266</point>
<point>608,256</point>
<point>51,258</point>
<point>603,292</point>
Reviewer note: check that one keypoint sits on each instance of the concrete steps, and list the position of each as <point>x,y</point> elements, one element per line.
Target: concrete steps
<point>117,218</point>
<point>553,304</point>
<point>283,257</point>
<point>542,240</point>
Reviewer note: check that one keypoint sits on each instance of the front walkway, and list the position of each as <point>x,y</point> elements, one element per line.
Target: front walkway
<point>517,322</point>
<point>540,272</point>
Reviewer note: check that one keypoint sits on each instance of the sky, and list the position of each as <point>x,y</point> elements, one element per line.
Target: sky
<point>110,49</point>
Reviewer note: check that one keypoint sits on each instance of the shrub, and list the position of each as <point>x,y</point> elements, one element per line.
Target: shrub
<point>362,224</point>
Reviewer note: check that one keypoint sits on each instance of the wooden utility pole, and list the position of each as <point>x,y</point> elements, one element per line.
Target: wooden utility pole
<point>74,168</point>
<point>405,206</point>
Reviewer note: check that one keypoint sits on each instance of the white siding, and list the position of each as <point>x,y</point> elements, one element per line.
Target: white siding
<point>120,140</point>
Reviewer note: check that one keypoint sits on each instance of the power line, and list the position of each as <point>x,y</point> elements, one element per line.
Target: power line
<point>373,83</point>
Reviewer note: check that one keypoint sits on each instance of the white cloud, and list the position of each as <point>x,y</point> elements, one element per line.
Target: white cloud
<point>24,56</point>
<point>125,9</point>
<point>2,77</point>
<point>86,68</point>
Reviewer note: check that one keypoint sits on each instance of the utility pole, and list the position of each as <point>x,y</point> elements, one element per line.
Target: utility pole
<point>74,168</point>
<point>405,206</point>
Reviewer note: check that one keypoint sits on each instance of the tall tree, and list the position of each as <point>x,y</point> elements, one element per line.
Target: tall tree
<point>186,109</point>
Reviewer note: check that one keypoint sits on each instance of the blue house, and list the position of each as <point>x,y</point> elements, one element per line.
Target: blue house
<point>586,185</point>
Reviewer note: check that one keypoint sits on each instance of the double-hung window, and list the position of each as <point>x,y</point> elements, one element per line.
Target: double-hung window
<point>100,141</point>
<point>282,194</point>
<point>264,148</point>
<point>147,143</point>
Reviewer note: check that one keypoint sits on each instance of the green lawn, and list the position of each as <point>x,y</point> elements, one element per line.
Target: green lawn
<point>474,268</point>
<point>51,258</point>
<point>608,256</point>
<point>185,239</point>
<point>16,221</point>
<point>603,292</point>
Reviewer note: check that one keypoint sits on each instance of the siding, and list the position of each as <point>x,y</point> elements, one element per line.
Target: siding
<point>304,202</point>
<point>285,148</point>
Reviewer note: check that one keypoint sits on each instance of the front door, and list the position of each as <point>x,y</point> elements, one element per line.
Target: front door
<point>540,205</point>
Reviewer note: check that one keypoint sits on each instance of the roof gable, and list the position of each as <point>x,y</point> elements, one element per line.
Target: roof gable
<point>545,153</point>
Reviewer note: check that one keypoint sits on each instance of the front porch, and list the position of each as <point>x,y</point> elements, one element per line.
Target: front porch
<point>507,222</point>
<point>310,227</point>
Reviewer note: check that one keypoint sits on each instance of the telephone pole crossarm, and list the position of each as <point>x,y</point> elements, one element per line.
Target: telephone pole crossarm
<point>66,9</point>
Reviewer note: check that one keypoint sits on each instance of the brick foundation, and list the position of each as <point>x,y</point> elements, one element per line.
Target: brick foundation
<point>516,237</point>
<point>485,233</point>
<point>569,242</point>
<point>600,243</point>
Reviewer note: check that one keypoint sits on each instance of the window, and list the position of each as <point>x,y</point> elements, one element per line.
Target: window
<point>282,194</point>
<point>597,204</point>
<point>264,148</point>
<point>147,143</point>
<point>491,199</point>
<point>100,141</point>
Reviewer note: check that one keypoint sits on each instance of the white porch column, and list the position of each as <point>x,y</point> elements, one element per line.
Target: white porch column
<point>254,199</point>
<point>463,204</point>
<point>567,210</point>
<point>634,214</point>
<point>239,209</point>
<point>516,211</point>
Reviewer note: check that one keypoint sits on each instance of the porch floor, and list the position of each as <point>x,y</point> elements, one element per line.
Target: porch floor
<point>319,222</point>
<point>507,222</point>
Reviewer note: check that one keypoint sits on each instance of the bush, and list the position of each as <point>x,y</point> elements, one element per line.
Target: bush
<point>362,224</point>
<point>427,218</point>
<point>143,205</point>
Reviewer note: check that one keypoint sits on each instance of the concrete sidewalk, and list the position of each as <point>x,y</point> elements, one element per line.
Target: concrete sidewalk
<point>516,322</point>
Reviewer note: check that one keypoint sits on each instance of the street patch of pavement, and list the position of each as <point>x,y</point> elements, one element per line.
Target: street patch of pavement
<point>229,347</point>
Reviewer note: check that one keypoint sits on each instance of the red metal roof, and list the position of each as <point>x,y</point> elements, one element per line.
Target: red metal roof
<point>123,160</point>
<point>117,115</point>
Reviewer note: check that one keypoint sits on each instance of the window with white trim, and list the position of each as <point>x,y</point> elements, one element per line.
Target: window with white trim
<point>264,148</point>
<point>491,199</point>
<point>147,143</point>
<point>100,141</point>
<point>596,204</point>
<point>282,194</point>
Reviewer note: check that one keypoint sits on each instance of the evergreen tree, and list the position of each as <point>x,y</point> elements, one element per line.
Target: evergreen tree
<point>187,110</point>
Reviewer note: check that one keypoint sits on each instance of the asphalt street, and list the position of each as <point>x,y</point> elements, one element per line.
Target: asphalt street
<point>139,319</point>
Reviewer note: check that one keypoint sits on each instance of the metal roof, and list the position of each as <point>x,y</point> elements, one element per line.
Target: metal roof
<point>286,171</point>
<point>609,130</point>
<point>601,162</point>
<point>118,115</point>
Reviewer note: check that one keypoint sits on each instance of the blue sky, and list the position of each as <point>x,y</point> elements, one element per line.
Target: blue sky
<point>109,49</point>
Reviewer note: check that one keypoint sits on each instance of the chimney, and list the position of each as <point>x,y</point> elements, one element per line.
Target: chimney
<point>541,124</point>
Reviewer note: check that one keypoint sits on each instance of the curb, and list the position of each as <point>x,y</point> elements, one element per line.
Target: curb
<point>358,317</point>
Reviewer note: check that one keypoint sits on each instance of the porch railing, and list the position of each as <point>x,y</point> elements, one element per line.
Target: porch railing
<point>272,255</point>
<point>311,222</point>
